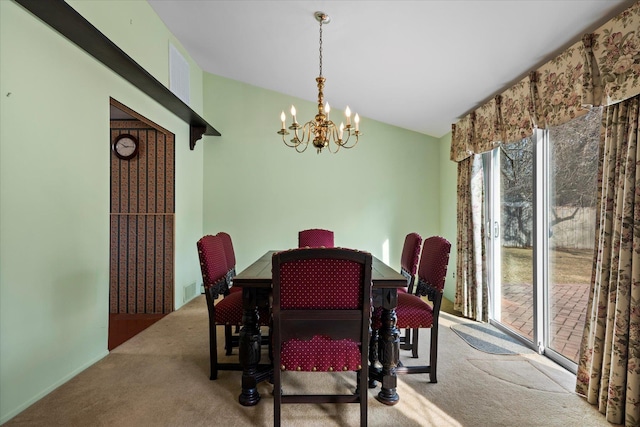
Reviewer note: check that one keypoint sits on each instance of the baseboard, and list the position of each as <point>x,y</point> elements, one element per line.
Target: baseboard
<point>52,387</point>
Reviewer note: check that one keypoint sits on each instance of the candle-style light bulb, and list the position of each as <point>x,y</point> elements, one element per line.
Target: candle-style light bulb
<point>356,119</point>
<point>347,112</point>
<point>283,118</point>
<point>341,130</point>
<point>327,109</point>
<point>293,113</point>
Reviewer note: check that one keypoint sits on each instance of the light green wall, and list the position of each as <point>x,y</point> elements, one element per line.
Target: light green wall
<point>263,193</point>
<point>54,197</point>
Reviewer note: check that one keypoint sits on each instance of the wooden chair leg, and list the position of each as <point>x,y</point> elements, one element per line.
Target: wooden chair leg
<point>414,343</point>
<point>363,395</point>
<point>433,356</point>
<point>277,397</point>
<point>213,351</point>
<point>405,341</point>
<point>228,335</point>
<point>270,346</point>
<point>213,347</point>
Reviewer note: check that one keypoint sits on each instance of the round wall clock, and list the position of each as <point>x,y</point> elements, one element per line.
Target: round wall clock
<point>125,146</point>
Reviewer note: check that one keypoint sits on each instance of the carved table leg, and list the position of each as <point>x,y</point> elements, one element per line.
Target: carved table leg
<point>389,351</point>
<point>373,356</point>
<point>249,348</point>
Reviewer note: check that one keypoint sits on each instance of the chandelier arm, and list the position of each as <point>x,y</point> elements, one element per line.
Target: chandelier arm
<point>345,141</point>
<point>307,130</point>
<point>300,140</point>
<point>293,143</point>
<point>305,145</point>
<point>311,130</point>
<point>304,130</point>
<point>350,146</point>
<point>336,145</point>
<point>331,137</point>
<point>332,132</point>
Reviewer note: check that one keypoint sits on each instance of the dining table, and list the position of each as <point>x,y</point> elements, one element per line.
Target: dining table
<point>384,353</point>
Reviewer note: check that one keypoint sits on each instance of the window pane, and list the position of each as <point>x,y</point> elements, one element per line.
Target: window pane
<point>572,212</point>
<point>516,224</point>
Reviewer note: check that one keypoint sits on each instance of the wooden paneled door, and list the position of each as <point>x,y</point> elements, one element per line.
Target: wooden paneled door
<point>142,230</point>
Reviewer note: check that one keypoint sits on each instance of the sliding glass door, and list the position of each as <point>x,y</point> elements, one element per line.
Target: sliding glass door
<point>540,201</point>
<point>510,235</point>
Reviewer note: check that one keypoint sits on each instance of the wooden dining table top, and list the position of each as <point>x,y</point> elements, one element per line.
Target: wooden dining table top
<point>258,274</point>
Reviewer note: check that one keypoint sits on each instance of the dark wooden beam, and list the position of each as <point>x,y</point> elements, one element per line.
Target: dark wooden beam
<point>68,22</point>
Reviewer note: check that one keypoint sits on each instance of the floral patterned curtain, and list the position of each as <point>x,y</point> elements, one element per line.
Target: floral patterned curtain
<point>472,289</point>
<point>487,126</point>
<point>609,364</point>
<point>560,87</point>
<point>461,134</point>
<point>517,107</point>
<point>617,53</point>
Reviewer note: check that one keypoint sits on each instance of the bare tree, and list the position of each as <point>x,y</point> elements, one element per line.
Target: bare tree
<point>573,167</point>
<point>574,158</point>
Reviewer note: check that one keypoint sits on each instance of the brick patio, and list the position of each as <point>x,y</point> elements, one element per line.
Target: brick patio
<point>568,314</point>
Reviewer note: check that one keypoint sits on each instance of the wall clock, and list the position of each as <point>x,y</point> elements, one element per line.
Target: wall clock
<point>125,146</point>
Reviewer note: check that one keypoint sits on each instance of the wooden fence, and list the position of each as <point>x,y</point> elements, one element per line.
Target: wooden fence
<point>575,231</point>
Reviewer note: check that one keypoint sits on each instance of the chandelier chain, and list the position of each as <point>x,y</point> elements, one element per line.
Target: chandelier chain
<point>320,49</point>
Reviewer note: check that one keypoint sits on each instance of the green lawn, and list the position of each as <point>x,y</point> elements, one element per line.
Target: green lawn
<point>568,266</point>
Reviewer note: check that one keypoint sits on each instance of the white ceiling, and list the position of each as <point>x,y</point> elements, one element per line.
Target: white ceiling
<point>419,65</point>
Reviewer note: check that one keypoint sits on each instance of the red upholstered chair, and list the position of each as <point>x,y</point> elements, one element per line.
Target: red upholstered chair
<point>409,259</point>
<point>227,311</point>
<point>408,267</point>
<point>414,313</point>
<point>315,238</point>
<point>321,311</point>
<point>230,255</point>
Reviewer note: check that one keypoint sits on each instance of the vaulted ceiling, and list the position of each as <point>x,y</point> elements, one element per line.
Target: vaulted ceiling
<point>419,65</point>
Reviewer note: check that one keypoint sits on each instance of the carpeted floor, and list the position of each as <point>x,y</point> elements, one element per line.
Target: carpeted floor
<point>161,378</point>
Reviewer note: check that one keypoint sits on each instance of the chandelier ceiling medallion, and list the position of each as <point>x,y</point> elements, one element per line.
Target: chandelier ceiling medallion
<point>323,130</point>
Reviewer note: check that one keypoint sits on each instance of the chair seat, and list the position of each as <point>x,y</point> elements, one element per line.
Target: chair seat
<point>229,311</point>
<point>320,354</point>
<point>412,312</point>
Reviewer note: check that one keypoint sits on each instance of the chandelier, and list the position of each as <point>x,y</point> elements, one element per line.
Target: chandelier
<point>321,129</point>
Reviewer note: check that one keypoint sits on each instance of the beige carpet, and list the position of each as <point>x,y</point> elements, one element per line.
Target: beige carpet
<point>161,378</point>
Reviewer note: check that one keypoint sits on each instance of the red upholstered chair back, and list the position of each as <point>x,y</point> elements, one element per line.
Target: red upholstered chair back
<point>410,256</point>
<point>228,249</point>
<point>213,262</point>
<point>321,284</point>
<point>315,238</point>
<point>433,262</point>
